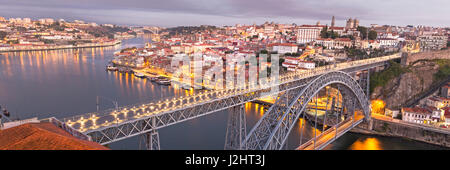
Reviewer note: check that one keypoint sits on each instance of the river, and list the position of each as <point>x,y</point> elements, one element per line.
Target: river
<point>64,83</point>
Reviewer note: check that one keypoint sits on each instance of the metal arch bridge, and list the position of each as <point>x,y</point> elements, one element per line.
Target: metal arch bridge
<point>113,125</point>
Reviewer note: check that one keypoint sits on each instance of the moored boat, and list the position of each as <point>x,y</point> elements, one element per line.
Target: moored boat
<point>111,68</point>
<point>140,75</point>
<point>163,80</point>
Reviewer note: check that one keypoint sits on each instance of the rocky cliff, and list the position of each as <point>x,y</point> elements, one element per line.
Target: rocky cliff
<point>418,78</point>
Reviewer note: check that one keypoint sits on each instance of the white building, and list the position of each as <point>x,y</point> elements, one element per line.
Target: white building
<point>417,115</point>
<point>292,64</point>
<point>283,48</point>
<point>308,33</point>
<point>338,43</point>
<point>388,42</point>
<point>307,64</point>
<point>434,102</point>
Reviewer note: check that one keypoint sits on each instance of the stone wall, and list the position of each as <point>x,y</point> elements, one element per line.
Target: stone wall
<point>408,85</point>
<point>408,58</point>
<point>418,133</point>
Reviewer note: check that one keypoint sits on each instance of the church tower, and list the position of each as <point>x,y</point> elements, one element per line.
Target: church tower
<point>333,21</point>
<point>349,24</point>
<point>355,23</point>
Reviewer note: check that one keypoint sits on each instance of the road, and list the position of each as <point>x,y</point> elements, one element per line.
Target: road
<point>331,134</point>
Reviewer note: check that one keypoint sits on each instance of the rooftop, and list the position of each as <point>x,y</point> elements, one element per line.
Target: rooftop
<point>43,136</point>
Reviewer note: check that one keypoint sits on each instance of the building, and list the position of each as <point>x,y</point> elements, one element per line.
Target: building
<point>388,42</point>
<point>283,48</point>
<point>445,101</point>
<point>339,30</point>
<point>308,33</point>
<point>352,24</point>
<point>432,42</point>
<point>446,115</point>
<point>445,91</point>
<point>43,136</point>
<point>370,44</point>
<point>338,43</point>
<point>416,115</point>
<point>434,102</point>
<point>306,64</point>
<point>292,64</point>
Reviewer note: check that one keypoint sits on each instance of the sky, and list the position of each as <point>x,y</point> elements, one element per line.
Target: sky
<point>169,13</point>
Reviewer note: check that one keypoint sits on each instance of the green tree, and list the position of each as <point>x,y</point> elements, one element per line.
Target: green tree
<point>372,35</point>
<point>2,35</point>
<point>324,33</point>
<point>363,31</point>
<point>333,34</point>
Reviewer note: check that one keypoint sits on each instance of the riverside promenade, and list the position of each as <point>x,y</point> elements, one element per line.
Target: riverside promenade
<point>387,126</point>
<point>28,47</point>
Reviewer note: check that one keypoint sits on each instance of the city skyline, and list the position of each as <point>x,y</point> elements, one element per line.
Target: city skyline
<point>198,12</point>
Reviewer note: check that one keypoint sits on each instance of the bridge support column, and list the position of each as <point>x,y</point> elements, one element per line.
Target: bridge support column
<point>368,84</point>
<point>236,129</point>
<point>152,140</point>
<point>364,81</point>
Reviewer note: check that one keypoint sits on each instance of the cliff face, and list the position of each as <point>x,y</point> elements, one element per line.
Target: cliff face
<point>398,90</point>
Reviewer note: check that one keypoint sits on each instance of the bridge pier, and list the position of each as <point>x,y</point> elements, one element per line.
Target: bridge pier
<point>236,128</point>
<point>151,138</point>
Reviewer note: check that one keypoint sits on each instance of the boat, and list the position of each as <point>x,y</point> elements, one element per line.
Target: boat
<point>153,78</point>
<point>125,70</point>
<point>111,68</point>
<point>186,87</point>
<point>140,75</point>
<point>163,80</point>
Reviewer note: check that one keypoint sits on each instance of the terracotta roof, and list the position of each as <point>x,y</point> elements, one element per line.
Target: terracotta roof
<point>282,44</point>
<point>416,110</point>
<point>446,112</point>
<point>43,136</point>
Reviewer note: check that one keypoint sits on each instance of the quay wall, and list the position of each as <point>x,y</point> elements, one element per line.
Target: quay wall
<point>58,47</point>
<point>409,58</point>
<point>420,133</point>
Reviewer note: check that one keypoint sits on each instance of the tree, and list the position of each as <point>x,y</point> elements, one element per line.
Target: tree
<point>372,35</point>
<point>333,34</point>
<point>363,31</point>
<point>324,33</point>
<point>2,35</point>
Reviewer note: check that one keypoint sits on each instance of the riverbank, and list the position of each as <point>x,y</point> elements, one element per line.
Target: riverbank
<point>404,130</point>
<point>21,48</point>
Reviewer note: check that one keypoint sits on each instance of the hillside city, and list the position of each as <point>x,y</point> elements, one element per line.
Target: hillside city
<point>301,47</point>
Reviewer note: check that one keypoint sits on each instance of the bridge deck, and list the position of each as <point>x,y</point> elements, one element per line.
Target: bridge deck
<point>331,134</point>
<point>177,109</point>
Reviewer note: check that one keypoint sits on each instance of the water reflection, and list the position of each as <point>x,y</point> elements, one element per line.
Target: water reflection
<point>366,144</point>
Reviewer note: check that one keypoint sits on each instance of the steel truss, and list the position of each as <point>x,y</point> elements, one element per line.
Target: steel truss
<point>135,127</point>
<point>236,128</point>
<point>273,128</point>
<point>187,108</point>
<point>152,140</point>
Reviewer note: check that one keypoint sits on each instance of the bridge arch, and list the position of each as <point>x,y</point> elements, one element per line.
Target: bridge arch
<point>273,128</point>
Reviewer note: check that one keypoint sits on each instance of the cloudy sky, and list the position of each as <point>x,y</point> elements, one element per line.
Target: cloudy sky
<point>229,12</point>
